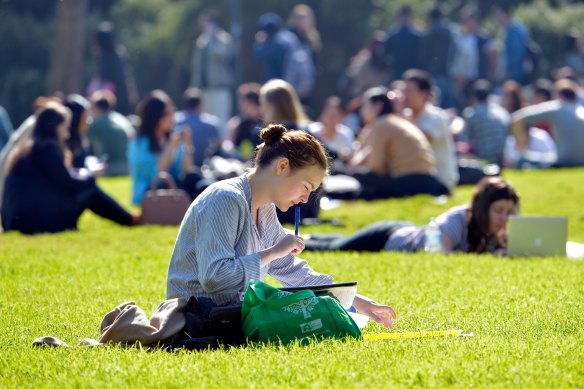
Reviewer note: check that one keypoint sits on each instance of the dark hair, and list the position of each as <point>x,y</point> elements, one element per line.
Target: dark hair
<point>301,148</point>
<point>151,110</point>
<point>435,14</point>
<point>571,38</point>
<point>566,89</point>
<point>270,22</point>
<point>104,100</point>
<point>481,90</point>
<point>376,46</point>
<point>515,92</point>
<point>104,36</point>
<point>48,119</point>
<point>193,97</point>
<point>250,91</point>
<point>488,191</point>
<point>404,11</point>
<point>421,78</point>
<point>378,95</point>
<point>78,105</point>
<point>543,86</point>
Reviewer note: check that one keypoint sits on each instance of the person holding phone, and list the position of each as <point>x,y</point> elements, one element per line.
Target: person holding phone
<point>43,192</point>
<point>158,148</point>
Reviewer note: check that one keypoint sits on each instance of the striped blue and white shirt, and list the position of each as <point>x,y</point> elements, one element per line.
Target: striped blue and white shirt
<point>216,251</point>
<point>486,126</point>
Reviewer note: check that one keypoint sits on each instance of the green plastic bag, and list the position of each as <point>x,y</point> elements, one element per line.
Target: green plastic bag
<point>270,314</point>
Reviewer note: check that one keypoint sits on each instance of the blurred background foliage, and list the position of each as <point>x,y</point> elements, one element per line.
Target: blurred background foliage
<point>159,35</point>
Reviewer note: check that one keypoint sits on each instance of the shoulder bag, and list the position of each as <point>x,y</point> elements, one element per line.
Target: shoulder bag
<point>164,206</point>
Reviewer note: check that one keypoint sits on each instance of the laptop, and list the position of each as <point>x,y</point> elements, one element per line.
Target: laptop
<point>537,236</point>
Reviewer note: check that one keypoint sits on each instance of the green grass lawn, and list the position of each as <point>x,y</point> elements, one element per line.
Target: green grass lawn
<point>527,315</point>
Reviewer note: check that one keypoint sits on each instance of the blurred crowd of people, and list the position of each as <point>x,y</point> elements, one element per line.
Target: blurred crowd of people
<point>417,111</point>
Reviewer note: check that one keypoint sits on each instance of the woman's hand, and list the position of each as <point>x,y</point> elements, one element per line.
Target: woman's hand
<point>187,135</point>
<point>502,238</point>
<point>290,244</point>
<point>98,171</point>
<point>382,314</point>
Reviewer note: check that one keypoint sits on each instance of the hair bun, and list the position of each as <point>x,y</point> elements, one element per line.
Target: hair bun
<point>272,133</point>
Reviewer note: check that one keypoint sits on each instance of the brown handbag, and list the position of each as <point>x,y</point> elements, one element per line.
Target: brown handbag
<point>164,206</point>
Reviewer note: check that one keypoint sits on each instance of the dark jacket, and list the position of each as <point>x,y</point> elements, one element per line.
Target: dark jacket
<point>401,49</point>
<point>41,194</point>
<point>437,50</point>
<point>483,39</point>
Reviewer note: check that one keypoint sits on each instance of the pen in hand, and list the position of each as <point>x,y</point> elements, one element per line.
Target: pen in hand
<point>296,219</point>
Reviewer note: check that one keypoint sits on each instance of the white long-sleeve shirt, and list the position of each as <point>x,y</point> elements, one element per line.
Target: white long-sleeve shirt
<point>216,250</point>
<point>434,123</point>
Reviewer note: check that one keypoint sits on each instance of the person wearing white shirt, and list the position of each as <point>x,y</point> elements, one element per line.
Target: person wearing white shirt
<point>433,122</point>
<point>566,118</point>
<point>337,137</point>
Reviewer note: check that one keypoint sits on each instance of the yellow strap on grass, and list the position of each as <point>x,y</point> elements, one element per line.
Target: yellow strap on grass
<point>410,335</point>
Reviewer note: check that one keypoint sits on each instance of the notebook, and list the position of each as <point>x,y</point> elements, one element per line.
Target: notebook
<point>344,292</point>
<point>537,236</point>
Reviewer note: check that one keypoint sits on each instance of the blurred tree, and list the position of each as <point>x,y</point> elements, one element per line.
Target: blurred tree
<point>102,8</point>
<point>67,51</point>
<point>24,53</point>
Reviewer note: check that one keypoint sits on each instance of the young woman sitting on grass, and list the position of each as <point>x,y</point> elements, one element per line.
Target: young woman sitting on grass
<point>42,192</point>
<point>478,228</point>
<point>158,148</point>
<point>231,233</point>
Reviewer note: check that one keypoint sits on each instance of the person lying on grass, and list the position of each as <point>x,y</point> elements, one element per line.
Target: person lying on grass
<point>478,228</point>
<point>231,233</point>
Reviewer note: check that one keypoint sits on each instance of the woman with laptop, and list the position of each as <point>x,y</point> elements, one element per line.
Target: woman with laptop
<point>231,234</point>
<point>480,227</point>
